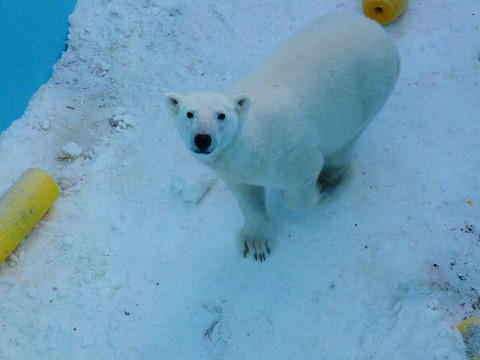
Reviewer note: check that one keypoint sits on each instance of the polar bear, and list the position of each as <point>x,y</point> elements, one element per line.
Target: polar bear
<point>292,123</point>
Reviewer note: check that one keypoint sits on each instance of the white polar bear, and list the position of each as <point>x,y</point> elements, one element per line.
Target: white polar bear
<point>293,123</point>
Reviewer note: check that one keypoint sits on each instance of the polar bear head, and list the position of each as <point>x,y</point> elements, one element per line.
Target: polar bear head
<point>207,122</point>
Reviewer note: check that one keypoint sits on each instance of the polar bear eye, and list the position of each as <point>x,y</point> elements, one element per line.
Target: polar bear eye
<point>189,115</point>
<point>221,116</point>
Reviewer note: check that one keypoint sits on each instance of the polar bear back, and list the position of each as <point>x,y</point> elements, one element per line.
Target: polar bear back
<point>333,76</point>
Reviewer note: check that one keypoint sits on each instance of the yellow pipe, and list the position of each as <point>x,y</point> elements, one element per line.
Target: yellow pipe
<point>23,205</point>
<point>470,330</point>
<point>383,11</point>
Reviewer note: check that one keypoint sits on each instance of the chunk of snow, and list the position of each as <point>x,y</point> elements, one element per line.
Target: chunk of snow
<point>32,292</point>
<point>68,241</point>
<point>192,188</point>
<point>45,124</point>
<point>123,121</point>
<point>66,184</point>
<point>70,150</point>
<point>104,66</point>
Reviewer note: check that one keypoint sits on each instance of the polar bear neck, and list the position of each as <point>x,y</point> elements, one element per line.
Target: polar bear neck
<point>244,157</point>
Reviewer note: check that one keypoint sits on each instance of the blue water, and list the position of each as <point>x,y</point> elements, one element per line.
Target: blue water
<point>33,34</point>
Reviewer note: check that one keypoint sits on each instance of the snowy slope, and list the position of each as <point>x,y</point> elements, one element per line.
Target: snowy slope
<point>124,268</point>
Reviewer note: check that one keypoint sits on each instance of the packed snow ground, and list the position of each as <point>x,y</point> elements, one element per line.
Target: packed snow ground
<point>123,267</point>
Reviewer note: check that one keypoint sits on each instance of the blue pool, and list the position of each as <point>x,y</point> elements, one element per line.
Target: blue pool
<point>33,35</point>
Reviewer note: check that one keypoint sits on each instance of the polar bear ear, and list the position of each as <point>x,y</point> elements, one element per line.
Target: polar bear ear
<point>242,103</point>
<point>173,101</point>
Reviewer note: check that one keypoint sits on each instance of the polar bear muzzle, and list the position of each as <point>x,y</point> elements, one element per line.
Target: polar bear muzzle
<point>203,143</point>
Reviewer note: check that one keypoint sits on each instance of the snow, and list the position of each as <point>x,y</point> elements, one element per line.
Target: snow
<point>123,267</point>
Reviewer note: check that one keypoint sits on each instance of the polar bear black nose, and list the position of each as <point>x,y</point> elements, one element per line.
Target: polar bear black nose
<point>202,141</point>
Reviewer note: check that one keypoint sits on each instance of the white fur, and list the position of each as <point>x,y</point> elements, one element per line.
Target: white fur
<point>298,114</point>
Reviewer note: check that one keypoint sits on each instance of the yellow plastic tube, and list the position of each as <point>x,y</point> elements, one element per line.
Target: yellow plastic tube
<point>23,205</point>
<point>470,330</point>
<point>383,11</point>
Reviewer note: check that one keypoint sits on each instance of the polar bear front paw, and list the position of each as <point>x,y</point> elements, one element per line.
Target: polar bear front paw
<point>257,247</point>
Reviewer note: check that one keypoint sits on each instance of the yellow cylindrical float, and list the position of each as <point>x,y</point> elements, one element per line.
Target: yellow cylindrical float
<point>383,11</point>
<point>470,330</point>
<point>23,205</point>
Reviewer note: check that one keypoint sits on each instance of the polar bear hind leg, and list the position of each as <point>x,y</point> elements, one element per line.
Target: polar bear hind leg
<point>331,180</point>
<point>336,172</point>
